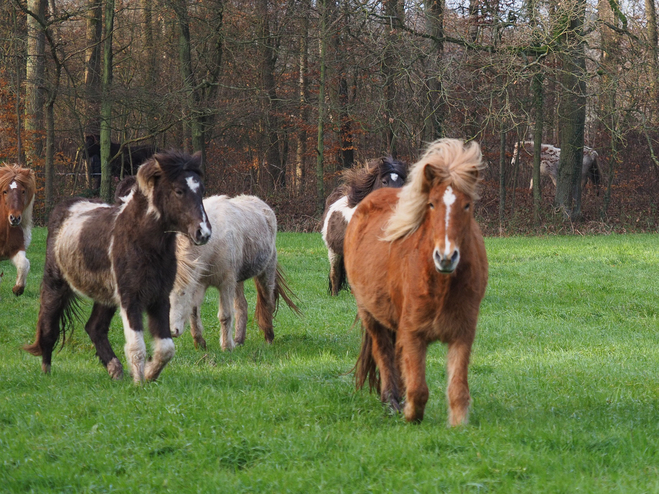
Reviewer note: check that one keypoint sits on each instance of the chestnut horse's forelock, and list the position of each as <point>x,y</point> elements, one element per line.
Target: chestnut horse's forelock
<point>23,176</point>
<point>452,161</point>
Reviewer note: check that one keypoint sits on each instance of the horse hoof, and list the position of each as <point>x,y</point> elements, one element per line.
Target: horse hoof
<point>18,290</point>
<point>115,369</point>
<point>200,343</point>
<point>45,368</point>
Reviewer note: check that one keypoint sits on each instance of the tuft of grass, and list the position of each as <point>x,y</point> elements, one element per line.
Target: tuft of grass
<point>563,382</point>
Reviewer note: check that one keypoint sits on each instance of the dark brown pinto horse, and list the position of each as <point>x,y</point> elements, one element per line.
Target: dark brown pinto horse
<point>122,257</point>
<point>417,266</point>
<point>17,188</point>
<point>341,203</point>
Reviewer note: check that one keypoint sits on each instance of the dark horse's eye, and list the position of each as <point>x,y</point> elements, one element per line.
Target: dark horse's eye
<point>179,192</point>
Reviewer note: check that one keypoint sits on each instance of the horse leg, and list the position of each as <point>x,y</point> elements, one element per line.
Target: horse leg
<point>163,346</point>
<point>135,348</point>
<point>458,386</point>
<point>97,328</point>
<point>240,308</point>
<point>22,269</point>
<point>265,300</point>
<point>412,351</point>
<point>55,300</point>
<point>383,352</point>
<point>196,327</point>
<point>225,315</point>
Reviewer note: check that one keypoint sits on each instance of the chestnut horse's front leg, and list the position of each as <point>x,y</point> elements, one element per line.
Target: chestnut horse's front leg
<point>412,357</point>
<point>163,346</point>
<point>22,269</point>
<point>458,387</point>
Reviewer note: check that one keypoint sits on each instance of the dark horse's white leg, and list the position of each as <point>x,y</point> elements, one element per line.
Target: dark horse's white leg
<point>163,346</point>
<point>134,347</point>
<point>97,328</point>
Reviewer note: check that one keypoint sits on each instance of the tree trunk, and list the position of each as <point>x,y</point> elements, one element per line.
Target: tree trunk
<point>271,173</point>
<point>392,19</point>
<point>320,186</point>
<point>502,176</point>
<point>572,111</point>
<point>106,103</point>
<point>189,81</point>
<point>93,66</point>
<point>538,102</point>
<point>437,113</point>
<point>651,14</point>
<point>149,50</point>
<point>303,93</point>
<point>34,81</point>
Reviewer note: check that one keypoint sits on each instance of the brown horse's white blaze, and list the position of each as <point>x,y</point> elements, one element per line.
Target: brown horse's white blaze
<point>122,256</point>
<point>416,263</point>
<point>17,189</point>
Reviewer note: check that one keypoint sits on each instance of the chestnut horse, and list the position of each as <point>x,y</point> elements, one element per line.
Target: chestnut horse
<point>122,257</point>
<point>417,266</point>
<point>17,189</point>
<point>341,203</point>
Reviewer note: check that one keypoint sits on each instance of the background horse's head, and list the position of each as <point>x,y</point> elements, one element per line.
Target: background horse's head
<point>17,188</point>
<point>439,198</point>
<point>377,173</point>
<point>172,184</point>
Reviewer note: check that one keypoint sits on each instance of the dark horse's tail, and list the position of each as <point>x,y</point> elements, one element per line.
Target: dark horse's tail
<point>63,311</point>
<point>594,175</point>
<point>341,279</point>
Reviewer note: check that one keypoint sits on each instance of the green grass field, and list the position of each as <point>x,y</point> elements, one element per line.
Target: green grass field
<point>564,381</point>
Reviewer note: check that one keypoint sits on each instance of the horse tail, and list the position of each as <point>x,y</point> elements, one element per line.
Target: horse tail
<point>284,291</point>
<point>365,367</point>
<point>341,278</point>
<point>66,312</point>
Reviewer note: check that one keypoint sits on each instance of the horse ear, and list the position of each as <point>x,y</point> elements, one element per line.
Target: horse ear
<point>147,176</point>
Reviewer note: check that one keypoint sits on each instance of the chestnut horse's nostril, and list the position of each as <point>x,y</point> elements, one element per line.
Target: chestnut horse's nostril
<point>455,256</point>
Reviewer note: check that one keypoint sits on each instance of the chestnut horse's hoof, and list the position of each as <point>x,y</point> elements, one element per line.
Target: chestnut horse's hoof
<point>18,290</point>
<point>115,369</point>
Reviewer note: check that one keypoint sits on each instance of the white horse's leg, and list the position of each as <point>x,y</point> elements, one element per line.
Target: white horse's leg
<point>135,348</point>
<point>240,306</point>
<point>22,269</point>
<point>196,327</point>
<point>225,315</point>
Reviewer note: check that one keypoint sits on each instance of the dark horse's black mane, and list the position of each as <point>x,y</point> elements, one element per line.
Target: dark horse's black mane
<point>359,182</point>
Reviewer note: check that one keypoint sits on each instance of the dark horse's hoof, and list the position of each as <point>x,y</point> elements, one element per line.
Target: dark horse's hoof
<point>115,369</point>
<point>18,290</point>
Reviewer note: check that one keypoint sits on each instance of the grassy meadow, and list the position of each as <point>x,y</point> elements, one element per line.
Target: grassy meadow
<point>564,381</point>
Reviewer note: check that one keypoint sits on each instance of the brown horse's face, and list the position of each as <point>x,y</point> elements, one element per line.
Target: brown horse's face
<point>15,199</point>
<point>449,216</point>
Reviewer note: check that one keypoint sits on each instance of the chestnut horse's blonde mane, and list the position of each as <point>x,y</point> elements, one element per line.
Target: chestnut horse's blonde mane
<point>452,161</point>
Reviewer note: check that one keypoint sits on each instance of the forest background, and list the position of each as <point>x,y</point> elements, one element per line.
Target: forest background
<point>280,96</point>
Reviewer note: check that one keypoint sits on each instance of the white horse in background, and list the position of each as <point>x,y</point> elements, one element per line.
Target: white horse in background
<point>242,247</point>
<point>551,155</point>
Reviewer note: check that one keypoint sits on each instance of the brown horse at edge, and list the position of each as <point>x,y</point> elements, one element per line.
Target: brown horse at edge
<point>416,262</point>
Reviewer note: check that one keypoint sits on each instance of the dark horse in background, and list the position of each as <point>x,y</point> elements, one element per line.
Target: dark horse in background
<point>122,256</point>
<point>17,189</point>
<point>356,184</point>
<point>417,266</point>
<point>125,163</point>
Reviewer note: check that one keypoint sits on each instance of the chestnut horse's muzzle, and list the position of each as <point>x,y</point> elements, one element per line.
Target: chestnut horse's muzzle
<point>15,220</point>
<point>446,263</point>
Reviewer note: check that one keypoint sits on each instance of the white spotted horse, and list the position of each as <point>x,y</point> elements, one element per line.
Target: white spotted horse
<point>341,203</point>
<point>122,256</point>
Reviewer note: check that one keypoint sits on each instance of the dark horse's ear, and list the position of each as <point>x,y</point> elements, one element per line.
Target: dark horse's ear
<point>147,176</point>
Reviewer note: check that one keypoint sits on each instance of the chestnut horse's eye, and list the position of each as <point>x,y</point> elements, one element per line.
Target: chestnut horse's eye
<point>431,205</point>
<point>468,205</point>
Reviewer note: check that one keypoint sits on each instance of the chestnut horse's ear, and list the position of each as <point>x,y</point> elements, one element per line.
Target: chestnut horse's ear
<point>147,175</point>
<point>429,173</point>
